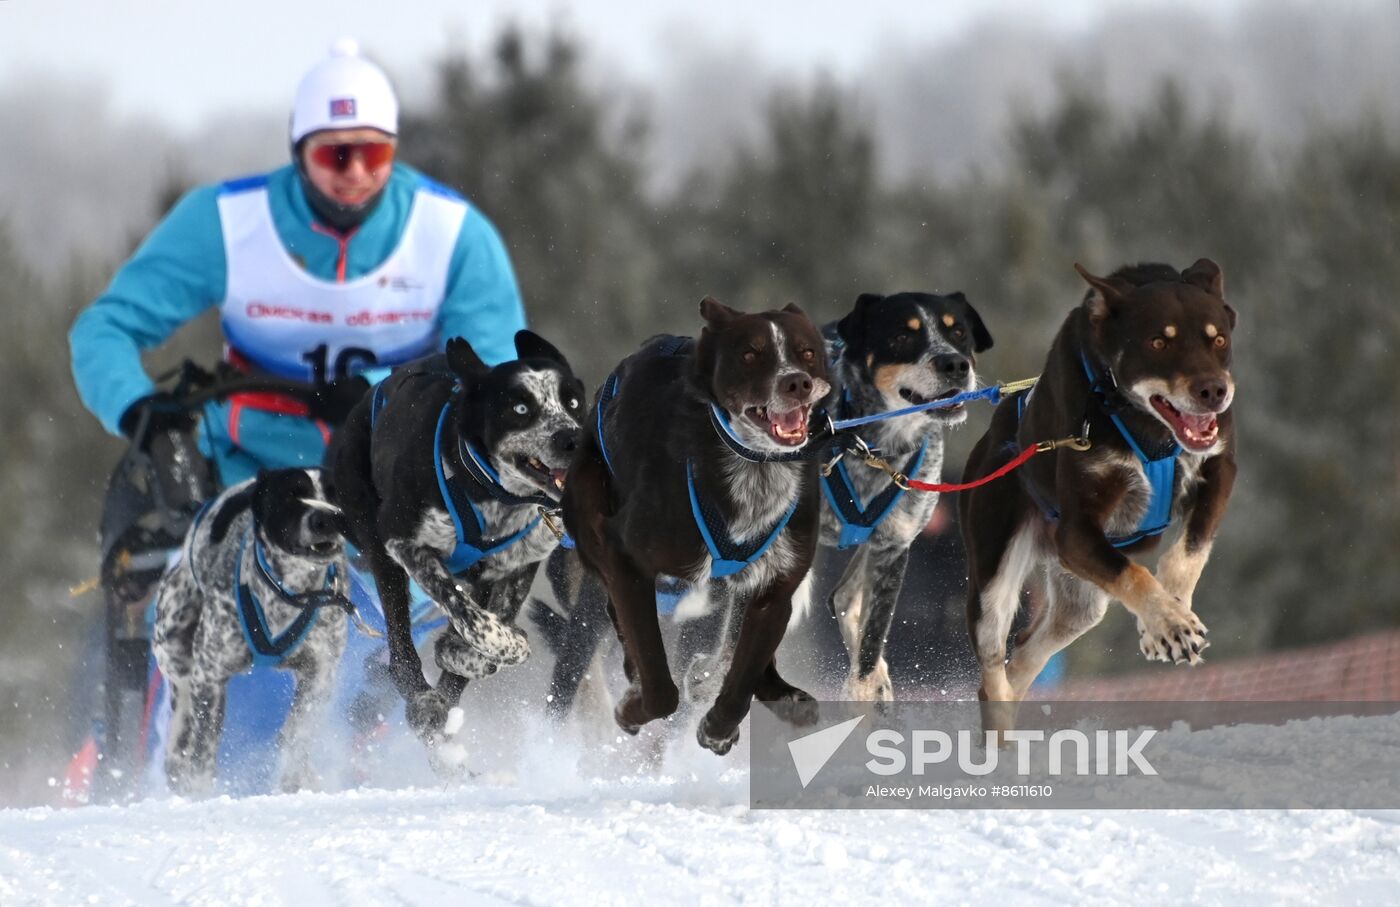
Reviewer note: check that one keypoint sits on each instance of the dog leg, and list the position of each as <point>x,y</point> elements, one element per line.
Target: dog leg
<point>869,680</point>
<point>180,735</point>
<point>495,639</point>
<point>795,706</point>
<point>177,619</point>
<point>1178,572</point>
<point>652,692</point>
<point>315,677</point>
<point>1072,608</point>
<point>994,597</point>
<point>1180,567</point>
<point>705,646</point>
<point>764,622</point>
<point>405,666</point>
<point>195,749</point>
<point>1167,628</point>
<point>847,601</point>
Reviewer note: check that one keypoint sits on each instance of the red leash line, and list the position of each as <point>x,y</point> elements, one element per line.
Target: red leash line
<point>1015,463</point>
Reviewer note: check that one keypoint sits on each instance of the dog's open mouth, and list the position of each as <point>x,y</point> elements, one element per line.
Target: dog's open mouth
<point>919,399</point>
<point>789,428</point>
<point>551,480</point>
<point>1195,432</point>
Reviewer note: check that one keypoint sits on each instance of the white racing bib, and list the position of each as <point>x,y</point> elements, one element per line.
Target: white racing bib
<point>293,324</point>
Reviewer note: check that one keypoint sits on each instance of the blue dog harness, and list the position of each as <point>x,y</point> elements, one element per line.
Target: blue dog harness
<point>472,544</point>
<point>859,522</point>
<point>267,649</point>
<point>727,557</point>
<point>1160,470</point>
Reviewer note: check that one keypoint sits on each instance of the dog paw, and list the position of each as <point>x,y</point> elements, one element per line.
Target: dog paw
<point>447,755</point>
<point>797,707</point>
<point>873,687</point>
<point>637,707</point>
<point>1177,637</point>
<point>712,735</point>
<point>427,715</point>
<point>454,656</point>
<point>494,639</point>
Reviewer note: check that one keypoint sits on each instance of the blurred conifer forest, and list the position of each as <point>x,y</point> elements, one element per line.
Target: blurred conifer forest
<point>1307,237</point>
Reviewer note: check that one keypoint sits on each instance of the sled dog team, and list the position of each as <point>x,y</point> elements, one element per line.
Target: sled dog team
<point>714,464</point>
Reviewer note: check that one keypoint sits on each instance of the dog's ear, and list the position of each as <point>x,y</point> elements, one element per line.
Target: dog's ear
<point>269,491</point>
<point>1105,294</point>
<point>1207,275</point>
<point>981,337</point>
<point>793,308</point>
<point>716,313</point>
<point>529,345</point>
<point>852,327</point>
<point>228,511</point>
<point>464,361</point>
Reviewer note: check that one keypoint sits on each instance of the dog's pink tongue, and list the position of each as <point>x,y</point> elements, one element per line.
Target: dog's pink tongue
<point>1199,424</point>
<point>789,422</point>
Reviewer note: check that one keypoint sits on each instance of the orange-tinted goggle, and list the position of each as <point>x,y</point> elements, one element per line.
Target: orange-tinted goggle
<point>338,157</point>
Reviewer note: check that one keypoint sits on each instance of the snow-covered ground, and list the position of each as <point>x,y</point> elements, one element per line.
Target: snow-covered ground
<point>666,842</point>
<point>543,828</point>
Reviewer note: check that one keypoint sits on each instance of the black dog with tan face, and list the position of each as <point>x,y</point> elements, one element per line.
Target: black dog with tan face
<point>695,467</point>
<point>1142,367</point>
<point>890,352</point>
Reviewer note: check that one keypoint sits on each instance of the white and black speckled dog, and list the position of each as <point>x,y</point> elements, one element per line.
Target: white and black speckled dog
<point>261,578</point>
<point>443,474</point>
<point>891,352</point>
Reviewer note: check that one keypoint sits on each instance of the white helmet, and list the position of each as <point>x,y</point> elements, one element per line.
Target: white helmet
<point>344,91</point>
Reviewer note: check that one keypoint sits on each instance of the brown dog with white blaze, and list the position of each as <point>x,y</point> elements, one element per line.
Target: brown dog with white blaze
<point>1142,368</point>
<point>697,468</point>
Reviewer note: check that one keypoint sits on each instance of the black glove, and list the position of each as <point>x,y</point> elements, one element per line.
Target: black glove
<point>165,414</point>
<point>335,399</point>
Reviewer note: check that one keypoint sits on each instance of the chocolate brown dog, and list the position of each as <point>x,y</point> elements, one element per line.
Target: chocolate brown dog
<point>695,468</point>
<point>1142,368</point>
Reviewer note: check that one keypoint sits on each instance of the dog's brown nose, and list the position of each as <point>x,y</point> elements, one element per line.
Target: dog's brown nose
<point>797,385</point>
<point>1210,392</point>
<point>952,366</point>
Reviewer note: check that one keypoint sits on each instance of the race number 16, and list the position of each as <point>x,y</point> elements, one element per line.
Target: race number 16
<point>345,360</point>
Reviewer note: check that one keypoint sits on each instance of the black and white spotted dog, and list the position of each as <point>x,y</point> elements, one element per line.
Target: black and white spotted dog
<point>891,352</point>
<point>262,577</point>
<point>446,474</point>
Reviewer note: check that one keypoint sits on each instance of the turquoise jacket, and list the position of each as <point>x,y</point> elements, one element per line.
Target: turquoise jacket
<point>180,271</point>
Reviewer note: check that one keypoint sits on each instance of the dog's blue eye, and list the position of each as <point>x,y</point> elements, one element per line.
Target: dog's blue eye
<point>521,409</point>
<point>573,403</point>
